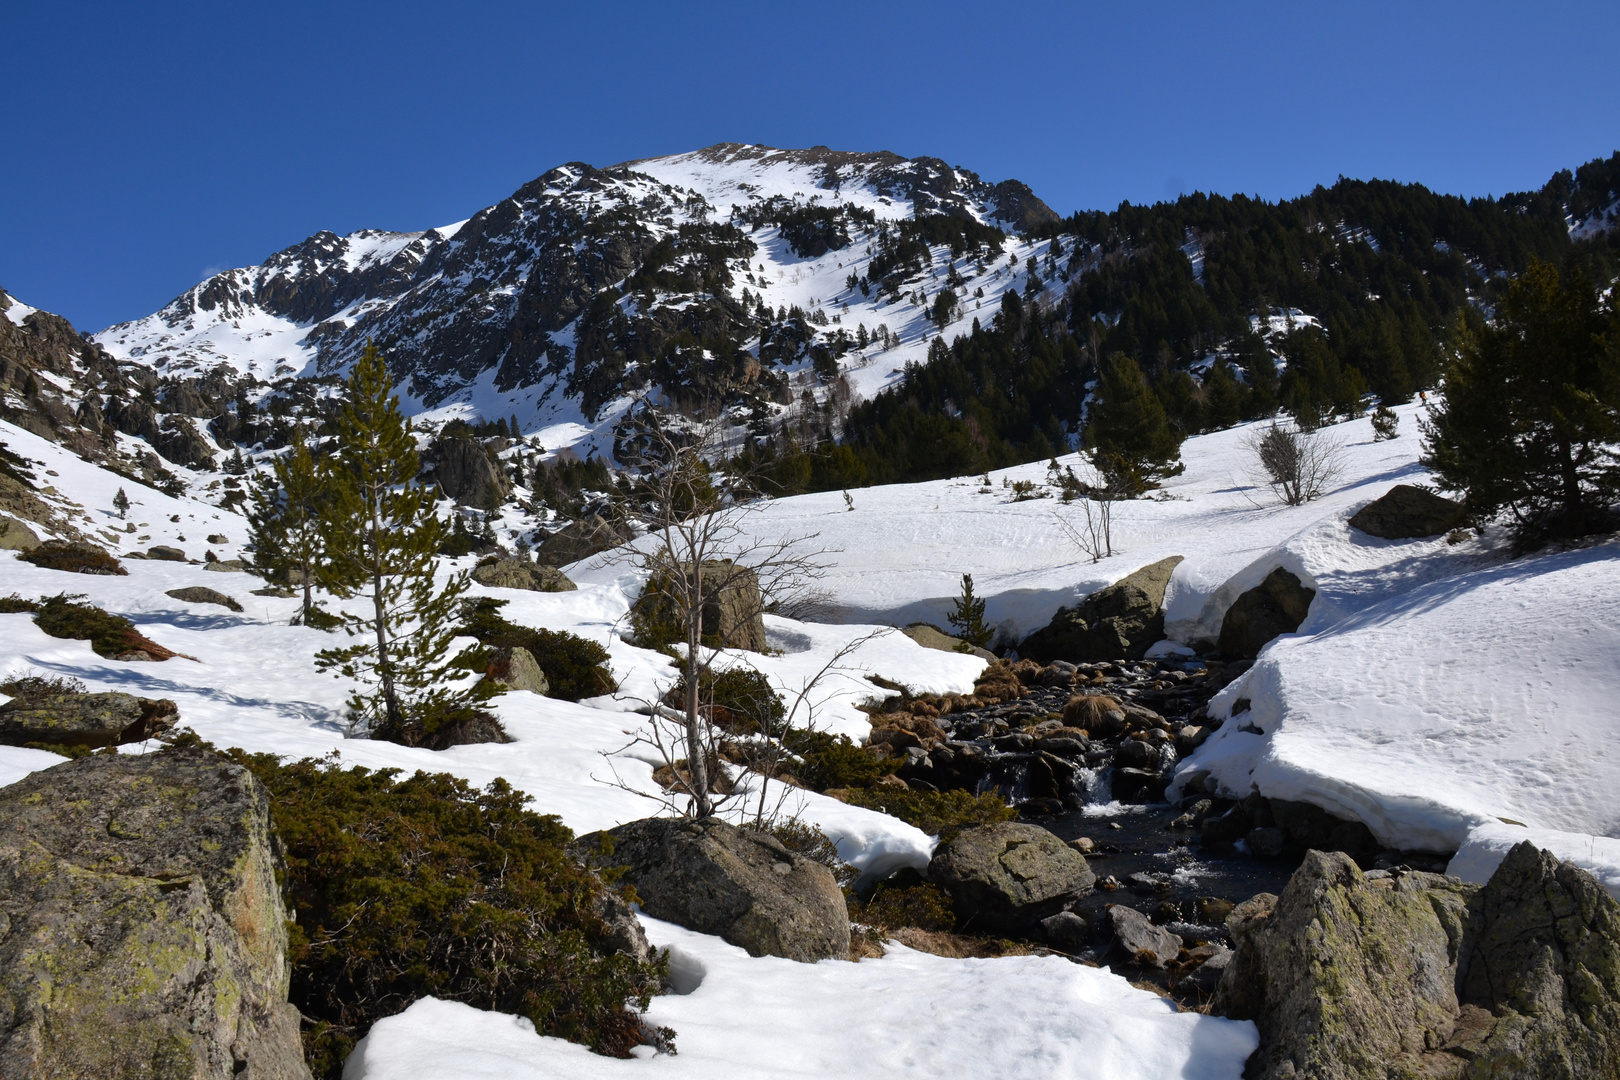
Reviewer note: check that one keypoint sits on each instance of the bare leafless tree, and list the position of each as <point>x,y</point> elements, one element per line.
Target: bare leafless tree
<point>1297,465</point>
<point>710,580</point>
<point>1093,534</point>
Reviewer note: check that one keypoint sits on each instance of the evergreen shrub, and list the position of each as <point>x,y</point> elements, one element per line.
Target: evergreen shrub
<point>75,557</point>
<point>405,888</point>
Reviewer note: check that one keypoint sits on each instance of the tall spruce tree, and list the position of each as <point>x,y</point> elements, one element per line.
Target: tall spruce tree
<point>383,534</point>
<point>286,527</point>
<point>1531,410</point>
<point>1128,437</point>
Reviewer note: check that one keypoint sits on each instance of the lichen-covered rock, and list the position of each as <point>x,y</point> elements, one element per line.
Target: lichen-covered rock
<point>516,668</point>
<point>1274,607</point>
<point>1365,977</point>
<point>15,536</point>
<point>520,574</point>
<point>743,885</point>
<point>201,594</point>
<point>165,553</point>
<point>1138,940</point>
<point>1407,511</point>
<point>85,719</point>
<point>144,932</point>
<point>932,637</point>
<point>1114,623</point>
<point>1007,877</point>
<point>733,610</point>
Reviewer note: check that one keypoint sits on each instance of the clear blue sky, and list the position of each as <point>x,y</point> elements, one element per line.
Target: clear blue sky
<point>146,145</point>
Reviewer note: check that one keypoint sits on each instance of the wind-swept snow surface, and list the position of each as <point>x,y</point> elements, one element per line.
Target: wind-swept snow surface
<point>907,1014</point>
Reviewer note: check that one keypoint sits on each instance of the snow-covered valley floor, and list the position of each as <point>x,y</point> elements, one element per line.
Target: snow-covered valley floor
<point>1435,692</point>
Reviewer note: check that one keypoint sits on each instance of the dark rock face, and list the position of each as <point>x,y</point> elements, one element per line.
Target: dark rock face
<point>1115,623</point>
<point>518,574</point>
<point>464,472</point>
<point>743,885</point>
<point>201,594</point>
<point>1358,976</point>
<point>179,441</point>
<point>1272,608</point>
<point>145,932</point>
<point>85,719</point>
<point>1009,876</point>
<point>1406,511</point>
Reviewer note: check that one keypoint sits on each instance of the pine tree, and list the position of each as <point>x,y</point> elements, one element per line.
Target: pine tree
<point>121,504</point>
<point>1531,410</point>
<point>967,616</point>
<point>286,523</point>
<point>1385,423</point>
<point>1128,437</point>
<point>382,531</point>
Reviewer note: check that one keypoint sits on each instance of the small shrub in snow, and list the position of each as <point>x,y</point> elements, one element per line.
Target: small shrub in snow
<point>922,905</point>
<point>937,813</point>
<point>832,761</point>
<point>62,616</point>
<point>575,667</point>
<point>75,557</point>
<point>36,687</point>
<point>1385,423</point>
<point>1297,465</point>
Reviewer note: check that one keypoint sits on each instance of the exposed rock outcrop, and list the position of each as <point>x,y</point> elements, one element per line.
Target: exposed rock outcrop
<point>1272,608</point>
<point>85,719</point>
<point>145,934</point>
<point>1407,511</point>
<point>1008,877</point>
<point>1356,977</point>
<point>1114,623</point>
<point>520,574</point>
<point>743,885</point>
<point>465,472</point>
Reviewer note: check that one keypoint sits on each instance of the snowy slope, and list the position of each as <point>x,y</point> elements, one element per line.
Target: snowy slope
<point>907,1014</point>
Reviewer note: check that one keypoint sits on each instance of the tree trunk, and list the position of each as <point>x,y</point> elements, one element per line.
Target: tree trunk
<point>385,669</point>
<point>697,765</point>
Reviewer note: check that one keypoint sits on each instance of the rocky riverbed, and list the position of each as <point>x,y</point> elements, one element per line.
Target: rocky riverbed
<point>1087,752</point>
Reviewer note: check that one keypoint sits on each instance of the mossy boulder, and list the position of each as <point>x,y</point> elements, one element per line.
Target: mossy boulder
<point>1007,877</point>
<point>1118,622</point>
<point>93,720</point>
<point>932,637</point>
<point>15,536</point>
<point>516,668</point>
<point>144,932</point>
<point>521,574</point>
<point>1353,976</point>
<point>742,884</point>
<point>581,539</point>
